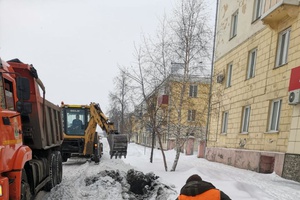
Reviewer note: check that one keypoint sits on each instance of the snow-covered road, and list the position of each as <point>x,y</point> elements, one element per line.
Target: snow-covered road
<point>85,180</point>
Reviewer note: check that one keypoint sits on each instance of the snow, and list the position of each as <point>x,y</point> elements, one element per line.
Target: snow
<point>87,181</point>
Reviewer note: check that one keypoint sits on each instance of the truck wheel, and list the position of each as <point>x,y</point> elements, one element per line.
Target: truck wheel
<point>25,188</point>
<point>52,168</point>
<point>59,166</point>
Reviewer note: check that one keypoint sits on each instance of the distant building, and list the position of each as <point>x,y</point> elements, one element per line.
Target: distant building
<point>255,109</point>
<point>165,100</point>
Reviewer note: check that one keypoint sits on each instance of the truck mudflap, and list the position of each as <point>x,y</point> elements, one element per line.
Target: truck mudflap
<point>117,145</point>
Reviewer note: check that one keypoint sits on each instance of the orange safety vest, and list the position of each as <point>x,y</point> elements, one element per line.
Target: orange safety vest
<point>212,194</point>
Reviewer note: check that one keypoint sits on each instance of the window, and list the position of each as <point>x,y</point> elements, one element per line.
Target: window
<point>257,9</point>
<point>2,95</point>
<point>251,63</point>
<point>233,28</point>
<point>246,118</point>
<point>191,115</point>
<point>75,121</point>
<point>193,90</point>
<point>229,73</point>
<point>9,98</point>
<point>224,122</point>
<point>274,116</point>
<point>282,48</point>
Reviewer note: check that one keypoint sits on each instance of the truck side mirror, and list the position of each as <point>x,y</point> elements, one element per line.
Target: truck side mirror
<point>23,88</point>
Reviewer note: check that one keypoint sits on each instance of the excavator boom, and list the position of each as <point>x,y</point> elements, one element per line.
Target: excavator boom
<point>117,142</point>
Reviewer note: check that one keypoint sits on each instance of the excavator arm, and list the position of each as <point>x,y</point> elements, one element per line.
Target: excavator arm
<point>117,142</point>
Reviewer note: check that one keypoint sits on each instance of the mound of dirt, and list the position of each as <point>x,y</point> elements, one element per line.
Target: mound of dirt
<point>135,184</point>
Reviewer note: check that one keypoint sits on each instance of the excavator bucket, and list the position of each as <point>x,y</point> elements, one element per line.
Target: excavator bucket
<point>118,145</point>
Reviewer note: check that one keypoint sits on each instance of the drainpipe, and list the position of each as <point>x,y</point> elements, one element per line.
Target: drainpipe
<point>211,80</point>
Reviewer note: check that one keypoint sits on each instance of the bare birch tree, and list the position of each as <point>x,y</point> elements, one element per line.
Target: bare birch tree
<point>191,42</point>
<point>185,40</point>
<point>119,99</point>
<point>149,71</point>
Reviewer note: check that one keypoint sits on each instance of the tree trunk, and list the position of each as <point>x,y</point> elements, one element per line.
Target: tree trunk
<point>176,158</point>
<point>152,146</point>
<point>162,152</point>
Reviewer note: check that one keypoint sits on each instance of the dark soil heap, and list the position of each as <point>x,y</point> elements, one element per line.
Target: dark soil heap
<point>136,185</point>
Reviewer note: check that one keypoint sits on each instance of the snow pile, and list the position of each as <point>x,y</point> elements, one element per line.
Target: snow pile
<point>84,182</point>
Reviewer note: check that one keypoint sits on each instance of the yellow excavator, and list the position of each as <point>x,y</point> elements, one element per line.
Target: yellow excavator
<point>80,136</point>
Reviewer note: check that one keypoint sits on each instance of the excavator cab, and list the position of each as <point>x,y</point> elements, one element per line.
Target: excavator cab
<point>79,141</point>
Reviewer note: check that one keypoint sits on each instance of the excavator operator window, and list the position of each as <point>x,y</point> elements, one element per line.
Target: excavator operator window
<point>75,121</point>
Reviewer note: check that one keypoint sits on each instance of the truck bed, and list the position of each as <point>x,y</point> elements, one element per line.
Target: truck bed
<point>45,130</point>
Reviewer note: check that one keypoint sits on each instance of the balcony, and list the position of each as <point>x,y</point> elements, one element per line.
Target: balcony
<point>163,100</point>
<point>276,10</point>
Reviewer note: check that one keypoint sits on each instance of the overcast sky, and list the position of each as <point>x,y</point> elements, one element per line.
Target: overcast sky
<point>77,45</point>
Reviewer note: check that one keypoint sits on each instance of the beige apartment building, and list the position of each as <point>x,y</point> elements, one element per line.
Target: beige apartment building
<point>255,107</point>
<point>193,113</point>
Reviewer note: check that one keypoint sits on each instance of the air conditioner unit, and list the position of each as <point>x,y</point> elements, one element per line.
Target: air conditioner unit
<point>220,78</point>
<point>294,97</point>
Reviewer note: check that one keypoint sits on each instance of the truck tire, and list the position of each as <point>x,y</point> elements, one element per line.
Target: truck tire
<point>52,169</point>
<point>59,166</point>
<point>25,187</point>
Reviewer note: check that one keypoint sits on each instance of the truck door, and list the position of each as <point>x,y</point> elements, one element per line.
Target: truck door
<point>10,123</point>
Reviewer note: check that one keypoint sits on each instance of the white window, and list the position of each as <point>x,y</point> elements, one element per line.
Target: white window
<point>234,21</point>
<point>282,48</point>
<point>229,73</point>
<point>251,63</point>
<point>274,116</point>
<point>191,115</point>
<point>257,9</point>
<point>193,90</point>
<point>246,118</point>
<point>224,122</point>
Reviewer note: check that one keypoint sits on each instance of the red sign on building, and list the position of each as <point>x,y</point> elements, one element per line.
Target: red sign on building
<point>295,79</point>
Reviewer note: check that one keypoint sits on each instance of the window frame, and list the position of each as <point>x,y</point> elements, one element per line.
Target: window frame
<point>224,122</point>
<point>257,10</point>
<point>191,115</point>
<point>251,63</point>
<point>273,125</point>
<point>9,101</point>
<point>246,119</point>
<point>233,26</point>
<point>229,74</point>
<point>193,92</point>
<point>283,47</point>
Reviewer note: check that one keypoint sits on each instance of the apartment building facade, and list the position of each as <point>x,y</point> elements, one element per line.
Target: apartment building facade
<point>254,121</point>
<point>193,113</point>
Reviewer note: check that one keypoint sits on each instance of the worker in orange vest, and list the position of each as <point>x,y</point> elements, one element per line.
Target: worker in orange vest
<point>197,189</point>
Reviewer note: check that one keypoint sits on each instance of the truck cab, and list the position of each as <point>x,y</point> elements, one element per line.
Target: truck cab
<point>30,134</point>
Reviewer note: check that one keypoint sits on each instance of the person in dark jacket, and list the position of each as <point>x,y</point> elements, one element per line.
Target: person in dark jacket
<point>197,189</point>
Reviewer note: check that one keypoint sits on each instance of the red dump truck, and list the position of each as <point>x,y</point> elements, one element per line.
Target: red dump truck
<point>31,134</point>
